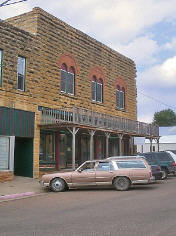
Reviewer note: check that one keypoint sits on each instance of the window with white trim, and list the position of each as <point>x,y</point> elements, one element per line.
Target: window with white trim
<point>21,73</point>
<point>67,80</point>
<point>4,153</point>
<point>120,98</point>
<point>97,90</point>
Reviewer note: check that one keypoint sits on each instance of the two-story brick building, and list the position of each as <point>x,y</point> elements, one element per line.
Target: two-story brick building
<point>64,97</point>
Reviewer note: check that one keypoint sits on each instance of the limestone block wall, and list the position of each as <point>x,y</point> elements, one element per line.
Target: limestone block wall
<point>15,42</point>
<point>57,39</point>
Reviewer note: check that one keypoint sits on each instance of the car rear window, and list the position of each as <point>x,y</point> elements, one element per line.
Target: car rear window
<point>163,156</point>
<point>138,164</point>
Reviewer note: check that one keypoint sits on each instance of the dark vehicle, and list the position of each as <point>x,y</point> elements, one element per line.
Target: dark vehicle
<point>156,171</point>
<point>162,159</point>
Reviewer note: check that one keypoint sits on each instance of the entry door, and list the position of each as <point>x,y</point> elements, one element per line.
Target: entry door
<point>23,157</point>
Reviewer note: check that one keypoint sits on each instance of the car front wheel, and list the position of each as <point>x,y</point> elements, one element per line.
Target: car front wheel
<point>58,185</point>
<point>122,183</point>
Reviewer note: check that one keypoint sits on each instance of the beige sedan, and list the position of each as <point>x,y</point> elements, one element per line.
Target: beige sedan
<point>120,173</point>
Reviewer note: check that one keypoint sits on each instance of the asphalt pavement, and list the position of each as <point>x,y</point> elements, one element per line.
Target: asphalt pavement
<point>144,210</point>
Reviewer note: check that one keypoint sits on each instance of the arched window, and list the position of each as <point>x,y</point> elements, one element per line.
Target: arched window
<point>67,79</point>
<point>120,97</point>
<point>97,89</point>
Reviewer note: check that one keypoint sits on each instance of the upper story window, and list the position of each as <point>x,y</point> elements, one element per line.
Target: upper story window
<point>121,90</point>
<point>97,89</point>
<point>0,67</point>
<point>67,79</point>
<point>21,73</point>
<point>68,72</point>
<point>120,97</point>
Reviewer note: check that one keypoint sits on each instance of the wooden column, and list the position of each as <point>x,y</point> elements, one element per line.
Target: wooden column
<point>57,149</point>
<point>73,132</point>
<point>107,143</point>
<point>91,132</point>
<point>120,143</point>
<point>131,141</point>
<point>158,142</point>
<point>151,144</point>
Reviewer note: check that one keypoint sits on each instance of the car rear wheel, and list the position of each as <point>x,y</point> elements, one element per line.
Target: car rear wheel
<point>164,174</point>
<point>58,185</point>
<point>122,183</point>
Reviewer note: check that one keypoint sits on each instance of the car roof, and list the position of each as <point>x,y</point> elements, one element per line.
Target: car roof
<point>125,158</point>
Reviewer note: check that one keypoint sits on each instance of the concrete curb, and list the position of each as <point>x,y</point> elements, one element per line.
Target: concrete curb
<point>18,196</point>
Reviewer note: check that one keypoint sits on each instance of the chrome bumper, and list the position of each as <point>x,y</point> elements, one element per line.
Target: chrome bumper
<point>43,184</point>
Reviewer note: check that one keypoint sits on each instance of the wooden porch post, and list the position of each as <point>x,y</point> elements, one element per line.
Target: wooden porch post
<point>91,132</point>
<point>73,132</point>
<point>158,142</point>
<point>107,143</point>
<point>120,143</point>
<point>151,144</point>
<point>131,145</point>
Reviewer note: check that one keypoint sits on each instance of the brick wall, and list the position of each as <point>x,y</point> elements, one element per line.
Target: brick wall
<point>6,176</point>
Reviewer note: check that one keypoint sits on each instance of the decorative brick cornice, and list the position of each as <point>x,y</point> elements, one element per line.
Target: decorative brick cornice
<point>69,61</point>
<point>119,81</point>
<point>96,71</point>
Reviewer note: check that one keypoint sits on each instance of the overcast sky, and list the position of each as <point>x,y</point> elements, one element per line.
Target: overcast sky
<point>144,30</point>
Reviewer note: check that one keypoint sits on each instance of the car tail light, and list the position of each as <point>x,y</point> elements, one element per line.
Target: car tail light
<point>158,168</point>
<point>150,174</point>
<point>173,163</point>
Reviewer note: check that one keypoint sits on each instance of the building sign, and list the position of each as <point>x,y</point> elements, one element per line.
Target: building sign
<point>4,153</point>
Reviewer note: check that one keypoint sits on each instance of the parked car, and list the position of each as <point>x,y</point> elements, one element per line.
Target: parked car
<point>121,174</point>
<point>162,159</point>
<point>172,153</point>
<point>156,170</point>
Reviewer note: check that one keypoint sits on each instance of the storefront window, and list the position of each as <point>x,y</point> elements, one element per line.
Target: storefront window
<point>4,153</point>
<point>47,148</point>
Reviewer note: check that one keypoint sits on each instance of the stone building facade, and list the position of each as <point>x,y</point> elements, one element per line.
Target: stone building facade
<point>64,97</point>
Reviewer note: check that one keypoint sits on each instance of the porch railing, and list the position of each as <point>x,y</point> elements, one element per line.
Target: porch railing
<point>90,118</point>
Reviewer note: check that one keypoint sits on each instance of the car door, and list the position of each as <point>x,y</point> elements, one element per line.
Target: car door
<point>85,175</point>
<point>104,173</point>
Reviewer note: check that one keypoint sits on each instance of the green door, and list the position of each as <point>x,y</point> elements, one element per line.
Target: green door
<point>23,158</point>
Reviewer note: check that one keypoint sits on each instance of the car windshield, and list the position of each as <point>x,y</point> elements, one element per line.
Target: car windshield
<point>88,166</point>
<point>131,164</point>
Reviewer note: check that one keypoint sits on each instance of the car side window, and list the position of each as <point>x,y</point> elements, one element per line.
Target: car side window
<point>103,166</point>
<point>88,166</point>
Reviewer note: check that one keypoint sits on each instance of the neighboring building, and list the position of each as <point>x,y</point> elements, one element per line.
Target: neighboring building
<point>167,141</point>
<point>64,97</point>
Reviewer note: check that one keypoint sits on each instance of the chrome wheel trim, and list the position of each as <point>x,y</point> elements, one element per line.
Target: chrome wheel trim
<point>57,184</point>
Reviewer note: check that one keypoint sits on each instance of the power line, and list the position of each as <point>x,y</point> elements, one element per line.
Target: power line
<point>8,2</point>
<point>156,100</point>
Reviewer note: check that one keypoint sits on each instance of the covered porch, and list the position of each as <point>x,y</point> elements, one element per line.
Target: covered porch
<point>75,135</point>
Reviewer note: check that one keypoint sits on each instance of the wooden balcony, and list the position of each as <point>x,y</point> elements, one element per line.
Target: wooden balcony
<point>88,118</point>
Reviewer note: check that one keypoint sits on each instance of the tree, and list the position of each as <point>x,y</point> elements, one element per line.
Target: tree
<point>165,118</point>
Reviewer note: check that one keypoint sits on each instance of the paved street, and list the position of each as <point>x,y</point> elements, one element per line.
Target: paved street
<point>145,210</point>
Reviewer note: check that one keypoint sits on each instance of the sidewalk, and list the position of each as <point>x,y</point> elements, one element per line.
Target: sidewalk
<point>20,187</point>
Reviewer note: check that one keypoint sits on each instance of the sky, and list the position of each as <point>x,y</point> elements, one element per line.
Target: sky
<point>143,30</point>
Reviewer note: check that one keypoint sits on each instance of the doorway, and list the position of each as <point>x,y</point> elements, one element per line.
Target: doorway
<point>23,157</point>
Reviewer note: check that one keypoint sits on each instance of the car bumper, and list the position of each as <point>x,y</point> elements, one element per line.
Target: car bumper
<point>158,176</point>
<point>43,184</point>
